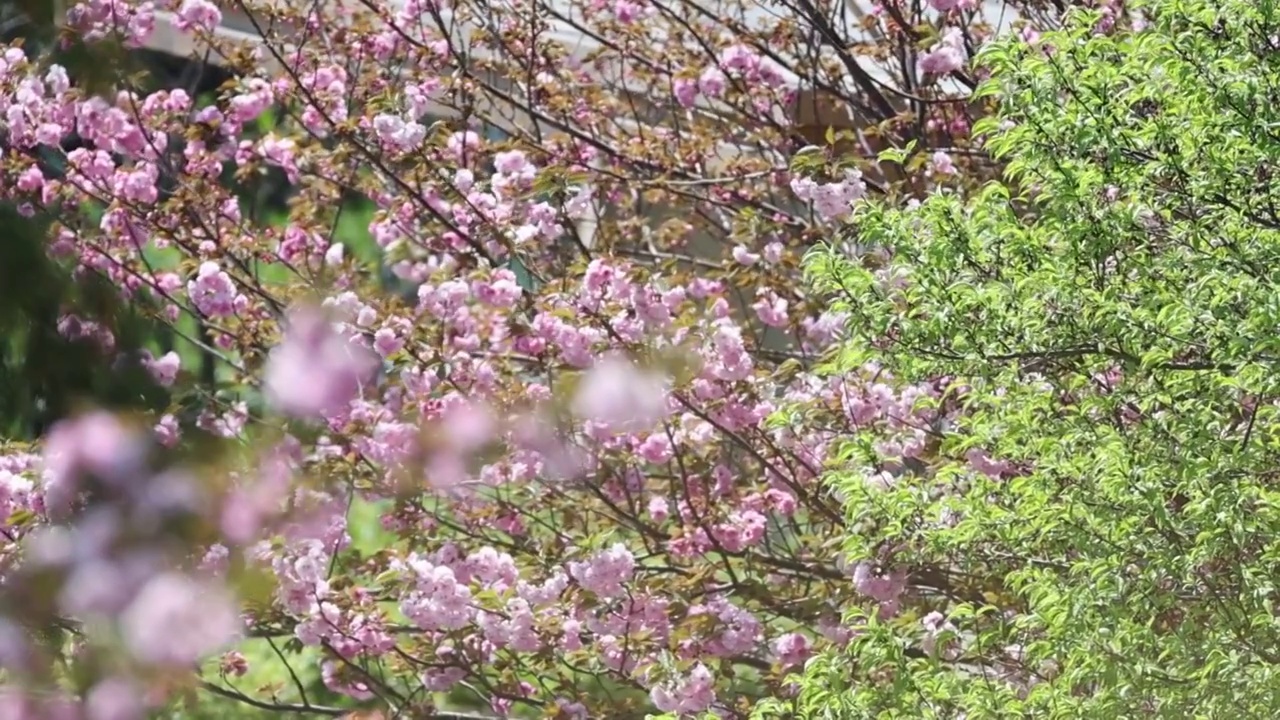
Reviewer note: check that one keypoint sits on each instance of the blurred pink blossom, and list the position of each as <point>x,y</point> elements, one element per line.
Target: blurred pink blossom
<point>621,396</point>
<point>315,371</point>
<point>176,620</point>
<point>95,444</point>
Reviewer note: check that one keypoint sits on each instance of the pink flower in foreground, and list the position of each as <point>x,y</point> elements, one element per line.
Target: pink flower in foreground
<point>315,371</point>
<point>621,396</point>
<point>114,699</point>
<point>176,620</point>
<point>22,705</point>
<point>97,444</point>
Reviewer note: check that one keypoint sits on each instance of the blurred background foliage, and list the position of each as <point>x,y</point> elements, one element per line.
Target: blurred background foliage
<point>44,375</point>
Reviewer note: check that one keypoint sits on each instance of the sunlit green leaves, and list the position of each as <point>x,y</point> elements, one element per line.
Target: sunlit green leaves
<point>1136,239</point>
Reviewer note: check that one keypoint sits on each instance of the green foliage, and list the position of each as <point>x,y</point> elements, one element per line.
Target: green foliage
<point>44,374</point>
<point>1128,569</point>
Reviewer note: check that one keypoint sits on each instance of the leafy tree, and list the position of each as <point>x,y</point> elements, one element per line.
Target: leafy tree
<point>1101,504</point>
<point>541,480</point>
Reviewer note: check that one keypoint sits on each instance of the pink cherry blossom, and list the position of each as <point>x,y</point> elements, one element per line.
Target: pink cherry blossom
<point>315,371</point>
<point>176,620</point>
<point>947,56</point>
<point>198,14</point>
<point>164,368</point>
<point>114,699</point>
<point>941,164</point>
<point>744,257</point>
<point>792,649</point>
<point>606,571</point>
<point>691,694</point>
<point>621,396</point>
<point>213,292</point>
<point>96,445</point>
